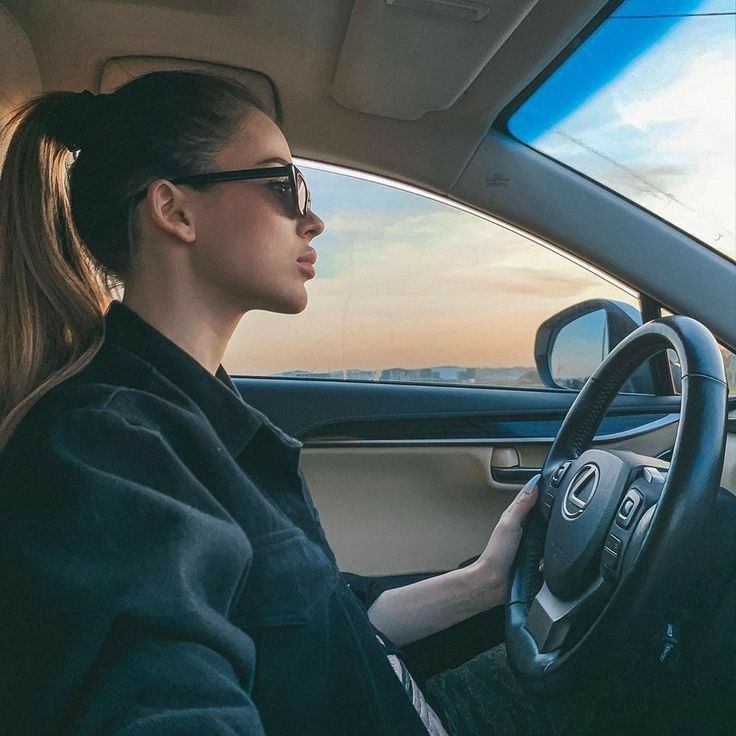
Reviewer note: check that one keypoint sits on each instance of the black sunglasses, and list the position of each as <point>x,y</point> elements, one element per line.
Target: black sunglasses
<point>301,197</point>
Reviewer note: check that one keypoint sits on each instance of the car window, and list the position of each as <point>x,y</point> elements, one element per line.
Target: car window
<point>411,288</point>
<point>647,106</point>
<point>729,365</point>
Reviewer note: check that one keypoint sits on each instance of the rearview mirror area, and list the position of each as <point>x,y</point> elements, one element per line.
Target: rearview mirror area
<point>571,344</point>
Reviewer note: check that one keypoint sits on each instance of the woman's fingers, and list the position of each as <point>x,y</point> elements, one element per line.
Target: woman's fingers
<point>524,501</point>
<point>499,554</point>
<point>530,485</point>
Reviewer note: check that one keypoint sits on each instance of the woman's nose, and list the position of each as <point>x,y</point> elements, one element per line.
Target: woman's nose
<point>312,225</point>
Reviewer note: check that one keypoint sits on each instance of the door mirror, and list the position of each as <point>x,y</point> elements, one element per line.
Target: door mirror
<point>570,345</point>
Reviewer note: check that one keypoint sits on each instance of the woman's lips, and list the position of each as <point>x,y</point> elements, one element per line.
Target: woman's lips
<point>306,264</point>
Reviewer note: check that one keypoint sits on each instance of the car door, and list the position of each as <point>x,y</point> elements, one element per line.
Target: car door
<point>411,377</point>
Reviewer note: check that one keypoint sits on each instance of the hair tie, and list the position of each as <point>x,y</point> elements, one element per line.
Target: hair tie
<point>78,119</point>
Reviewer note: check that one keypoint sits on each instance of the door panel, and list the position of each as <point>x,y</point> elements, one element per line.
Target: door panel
<point>389,510</point>
<point>393,510</point>
<point>402,474</point>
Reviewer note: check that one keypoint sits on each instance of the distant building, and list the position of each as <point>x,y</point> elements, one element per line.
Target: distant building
<point>359,375</point>
<point>409,374</point>
<point>354,374</point>
<point>505,376</point>
<point>310,374</point>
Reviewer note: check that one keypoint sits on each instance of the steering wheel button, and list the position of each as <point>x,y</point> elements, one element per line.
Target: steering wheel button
<point>610,560</point>
<point>613,544</point>
<point>629,507</point>
<point>611,553</point>
<point>560,472</point>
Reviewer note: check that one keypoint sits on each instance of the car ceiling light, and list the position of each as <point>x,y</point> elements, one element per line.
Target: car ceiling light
<point>462,9</point>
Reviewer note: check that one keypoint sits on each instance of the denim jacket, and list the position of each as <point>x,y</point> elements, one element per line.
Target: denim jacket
<point>163,569</point>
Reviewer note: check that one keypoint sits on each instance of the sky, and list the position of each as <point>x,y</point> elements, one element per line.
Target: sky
<point>407,281</point>
<point>661,127</point>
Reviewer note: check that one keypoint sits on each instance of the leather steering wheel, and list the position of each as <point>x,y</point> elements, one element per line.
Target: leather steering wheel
<point>618,533</point>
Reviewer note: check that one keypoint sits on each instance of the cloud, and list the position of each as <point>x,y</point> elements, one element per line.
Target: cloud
<point>663,133</point>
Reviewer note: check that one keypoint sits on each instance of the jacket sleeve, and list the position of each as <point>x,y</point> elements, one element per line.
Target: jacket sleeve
<point>118,568</point>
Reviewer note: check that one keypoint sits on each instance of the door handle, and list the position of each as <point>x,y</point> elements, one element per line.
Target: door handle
<point>517,476</point>
<point>505,467</point>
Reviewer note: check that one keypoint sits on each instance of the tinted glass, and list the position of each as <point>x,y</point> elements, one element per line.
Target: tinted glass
<point>647,106</point>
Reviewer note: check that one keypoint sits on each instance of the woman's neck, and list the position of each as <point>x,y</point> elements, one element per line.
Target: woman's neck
<point>199,329</point>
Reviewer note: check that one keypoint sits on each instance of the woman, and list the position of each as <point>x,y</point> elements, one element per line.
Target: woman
<point>163,568</point>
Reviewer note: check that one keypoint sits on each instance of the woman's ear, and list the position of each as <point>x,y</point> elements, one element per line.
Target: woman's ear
<point>170,209</point>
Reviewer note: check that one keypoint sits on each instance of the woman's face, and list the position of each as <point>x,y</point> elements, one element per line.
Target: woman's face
<point>251,246</point>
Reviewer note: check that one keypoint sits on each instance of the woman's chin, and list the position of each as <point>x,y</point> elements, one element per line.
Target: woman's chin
<point>293,305</point>
<point>289,303</point>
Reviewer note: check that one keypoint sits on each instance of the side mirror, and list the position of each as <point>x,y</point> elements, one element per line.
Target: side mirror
<point>570,345</point>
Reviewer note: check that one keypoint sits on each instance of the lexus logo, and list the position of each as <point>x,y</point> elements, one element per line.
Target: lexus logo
<point>580,491</point>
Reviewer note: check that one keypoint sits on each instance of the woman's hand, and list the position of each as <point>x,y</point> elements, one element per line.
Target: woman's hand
<point>492,568</point>
<point>421,609</point>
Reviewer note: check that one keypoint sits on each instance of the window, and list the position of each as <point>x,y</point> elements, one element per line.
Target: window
<point>410,288</point>
<point>647,106</point>
<point>729,365</point>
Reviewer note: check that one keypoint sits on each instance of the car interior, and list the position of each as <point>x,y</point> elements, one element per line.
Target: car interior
<point>409,477</point>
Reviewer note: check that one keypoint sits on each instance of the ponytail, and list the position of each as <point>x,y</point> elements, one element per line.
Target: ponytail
<point>52,296</point>
<point>68,220</point>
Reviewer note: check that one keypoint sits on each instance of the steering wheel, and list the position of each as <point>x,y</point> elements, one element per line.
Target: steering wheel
<point>608,558</point>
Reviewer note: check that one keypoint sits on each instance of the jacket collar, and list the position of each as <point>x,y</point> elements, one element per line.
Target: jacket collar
<point>234,421</point>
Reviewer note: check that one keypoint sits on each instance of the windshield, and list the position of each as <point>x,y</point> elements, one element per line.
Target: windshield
<point>647,106</point>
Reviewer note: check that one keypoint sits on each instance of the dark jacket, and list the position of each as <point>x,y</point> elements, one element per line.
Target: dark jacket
<point>163,570</point>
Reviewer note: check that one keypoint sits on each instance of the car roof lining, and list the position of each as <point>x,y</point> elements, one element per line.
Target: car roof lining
<point>305,59</point>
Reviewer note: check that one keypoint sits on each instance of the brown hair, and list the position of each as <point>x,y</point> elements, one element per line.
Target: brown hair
<point>67,217</point>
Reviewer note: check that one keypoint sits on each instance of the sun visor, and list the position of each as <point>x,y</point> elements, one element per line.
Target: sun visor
<point>121,69</point>
<point>404,58</point>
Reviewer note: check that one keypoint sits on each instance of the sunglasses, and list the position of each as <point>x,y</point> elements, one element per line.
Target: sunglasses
<point>301,198</point>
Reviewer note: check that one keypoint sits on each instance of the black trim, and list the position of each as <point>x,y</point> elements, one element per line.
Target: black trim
<point>307,408</point>
<point>483,428</point>
<point>516,476</point>
<point>501,122</point>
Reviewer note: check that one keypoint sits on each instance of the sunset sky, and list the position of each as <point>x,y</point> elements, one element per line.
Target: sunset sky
<point>407,281</point>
